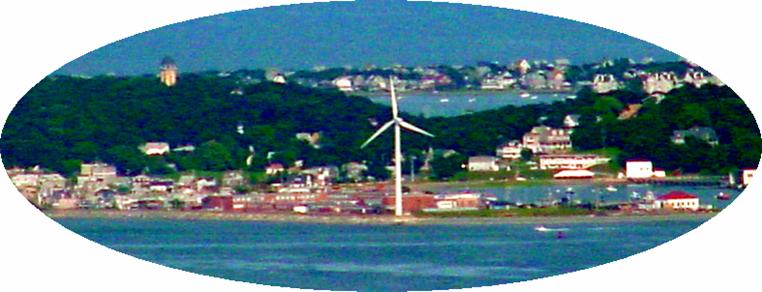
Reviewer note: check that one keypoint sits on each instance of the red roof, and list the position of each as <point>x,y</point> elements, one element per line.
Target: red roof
<point>676,195</point>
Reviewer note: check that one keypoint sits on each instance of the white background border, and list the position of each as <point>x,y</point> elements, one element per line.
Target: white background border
<point>38,37</point>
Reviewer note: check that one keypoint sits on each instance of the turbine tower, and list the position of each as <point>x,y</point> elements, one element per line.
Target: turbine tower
<point>398,123</point>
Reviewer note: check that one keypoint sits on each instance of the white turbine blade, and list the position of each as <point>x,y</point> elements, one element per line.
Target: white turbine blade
<point>393,97</point>
<point>410,127</point>
<point>380,130</point>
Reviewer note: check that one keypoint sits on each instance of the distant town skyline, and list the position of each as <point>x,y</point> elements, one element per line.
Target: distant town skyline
<point>380,32</point>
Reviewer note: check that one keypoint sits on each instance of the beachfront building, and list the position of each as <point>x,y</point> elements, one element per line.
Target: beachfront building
<point>483,163</point>
<point>543,139</point>
<point>574,174</point>
<point>510,150</point>
<point>677,200</point>
<point>639,169</point>
<point>570,161</point>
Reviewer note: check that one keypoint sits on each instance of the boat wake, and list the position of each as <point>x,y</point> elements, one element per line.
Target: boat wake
<point>545,229</point>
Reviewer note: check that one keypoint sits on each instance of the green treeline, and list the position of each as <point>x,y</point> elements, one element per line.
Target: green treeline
<point>64,121</point>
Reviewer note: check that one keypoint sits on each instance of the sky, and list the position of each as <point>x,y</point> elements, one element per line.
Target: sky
<point>380,32</point>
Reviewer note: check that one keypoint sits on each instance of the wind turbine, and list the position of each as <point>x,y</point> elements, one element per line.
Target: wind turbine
<point>398,123</point>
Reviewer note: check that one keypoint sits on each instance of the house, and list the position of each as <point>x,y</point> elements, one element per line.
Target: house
<point>639,168</point>
<point>604,83</point>
<point>571,161</point>
<point>543,139</point>
<point>705,134</point>
<point>678,200</point>
<point>535,80</point>
<point>571,121</point>
<point>218,202</point>
<point>410,202</point>
<point>354,170</point>
<point>557,80</point>
<point>274,168</point>
<point>233,178</point>
<point>312,138</point>
<point>661,82</point>
<point>483,163</point>
<point>322,175</point>
<point>155,148</point>
<point>695,78</point>
<point>279,79</point>
<point>522,66</point>
<point>746,176</point>
<point>510,150</point>
<point>343,83</point>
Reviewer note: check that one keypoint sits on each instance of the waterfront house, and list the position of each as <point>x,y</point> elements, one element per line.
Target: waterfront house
<point>218,202</point>
<point>483,163</point>
<point>510,150</point>
<point>705,134</point>
<point>570,161</point>
<point>458,200</point>
<point>543,139</point>
<point>678,200</point>
<point>639,169</point>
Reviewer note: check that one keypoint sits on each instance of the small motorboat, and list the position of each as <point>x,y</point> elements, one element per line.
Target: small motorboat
<point>611,189</point>
<point>524,94</point>
<point>443,100</point>
<point>542,228</point>
<point>723,196</point>
<point>471,99</point>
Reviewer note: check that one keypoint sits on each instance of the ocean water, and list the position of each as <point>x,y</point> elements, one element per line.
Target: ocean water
<point>459,103</point>
<point>376,258</point>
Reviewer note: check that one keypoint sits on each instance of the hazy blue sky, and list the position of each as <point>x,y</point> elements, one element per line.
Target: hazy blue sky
<point>378,32</point>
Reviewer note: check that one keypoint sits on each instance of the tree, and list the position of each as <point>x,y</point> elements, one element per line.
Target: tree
<point>447,167</point>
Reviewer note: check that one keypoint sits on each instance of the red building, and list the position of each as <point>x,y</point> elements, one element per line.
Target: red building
<point>222,203</point>
<point>411,203</point>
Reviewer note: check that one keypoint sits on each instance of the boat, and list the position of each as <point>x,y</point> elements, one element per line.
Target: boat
<point>571,97</point>
<point>443,100</point>
<point>471,99</point>
<point>542,228</point>
<point>524,94</point>
<point>635,195</point>
<point>611,189</point>
<point>533,97</point>
<point>723,196</point>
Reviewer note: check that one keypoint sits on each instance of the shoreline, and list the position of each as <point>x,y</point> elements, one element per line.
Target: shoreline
<point>365,219</point>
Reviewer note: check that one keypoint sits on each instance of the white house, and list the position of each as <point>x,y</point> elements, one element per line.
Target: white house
<point>746,176</point>
<point>677,200</point>
<point>483,163</point>
<point>639,168</point>
<point>571,161</point>
<point>543,139</point>
<point>571,121</point>
<point>343,83</point>
<point>510,150</point>
<point>604,83</point>
<point>155,148</point>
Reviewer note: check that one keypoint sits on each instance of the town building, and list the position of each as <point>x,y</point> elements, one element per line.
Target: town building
<point>344,83</point>
<point>677,200</point>
<point>510,150</point>
<point>570,161</point>
<point>168,72</point>
<point>705,134</point>
<point>483,163</point>
<point>695,78</point>
<point>639,169</point>
<point>543,139</point>
<point>574,174</point>
<point>274,168</point>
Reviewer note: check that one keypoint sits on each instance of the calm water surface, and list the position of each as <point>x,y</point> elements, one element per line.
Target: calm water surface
<point>459,103</point>
<point>375,258</point>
